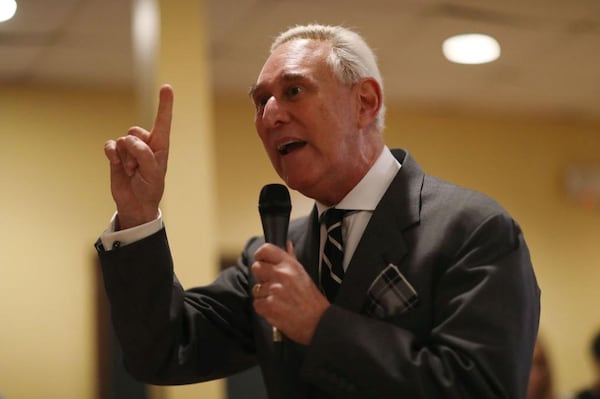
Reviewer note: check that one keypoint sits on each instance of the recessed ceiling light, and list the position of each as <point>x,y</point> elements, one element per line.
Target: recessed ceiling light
<point>471,48</point>
<point>7,9</point>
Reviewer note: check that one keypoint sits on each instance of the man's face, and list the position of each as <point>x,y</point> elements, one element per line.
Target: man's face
<point>307,119</point>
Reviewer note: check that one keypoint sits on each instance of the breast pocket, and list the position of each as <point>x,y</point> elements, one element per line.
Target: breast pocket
<point>390,295</point>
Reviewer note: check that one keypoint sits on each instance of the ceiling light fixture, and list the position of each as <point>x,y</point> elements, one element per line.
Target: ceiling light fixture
<point>471,48</point>
<point>7,9</point>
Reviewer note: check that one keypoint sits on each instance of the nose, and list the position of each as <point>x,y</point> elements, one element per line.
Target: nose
<point>274,113</point>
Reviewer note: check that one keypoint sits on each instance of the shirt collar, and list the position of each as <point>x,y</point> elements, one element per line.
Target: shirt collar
<point>368,192</point>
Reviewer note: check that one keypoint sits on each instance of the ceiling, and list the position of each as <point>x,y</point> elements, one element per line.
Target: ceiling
<point>550,60</point>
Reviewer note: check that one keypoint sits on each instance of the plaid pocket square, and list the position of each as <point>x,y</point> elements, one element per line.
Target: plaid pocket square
<point>390,294</point>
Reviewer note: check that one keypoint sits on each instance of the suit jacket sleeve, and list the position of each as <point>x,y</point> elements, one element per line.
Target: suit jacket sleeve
<point>169,337</point>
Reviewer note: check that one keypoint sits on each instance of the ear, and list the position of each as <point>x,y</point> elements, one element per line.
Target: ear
<point>369,101</point>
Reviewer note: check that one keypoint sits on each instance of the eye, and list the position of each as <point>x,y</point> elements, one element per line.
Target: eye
<point>293,91</point>
<point>260,102</point>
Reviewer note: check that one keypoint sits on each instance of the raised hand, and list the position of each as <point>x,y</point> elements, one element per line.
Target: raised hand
<point>138,166</point>
<point>285,294</point>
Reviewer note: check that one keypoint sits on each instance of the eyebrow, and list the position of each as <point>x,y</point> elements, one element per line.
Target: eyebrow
<point>286,77</point>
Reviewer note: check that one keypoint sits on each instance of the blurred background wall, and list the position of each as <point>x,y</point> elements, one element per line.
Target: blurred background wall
<point>54,203</point>
<point>55,191</point>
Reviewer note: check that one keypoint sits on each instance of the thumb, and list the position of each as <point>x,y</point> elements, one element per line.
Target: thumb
<point>289,247</point>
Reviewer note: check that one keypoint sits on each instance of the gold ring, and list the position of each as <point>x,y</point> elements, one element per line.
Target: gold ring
<point>256,289</point>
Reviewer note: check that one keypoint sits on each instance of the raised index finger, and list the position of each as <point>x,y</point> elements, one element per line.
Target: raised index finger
<point>162,123</point>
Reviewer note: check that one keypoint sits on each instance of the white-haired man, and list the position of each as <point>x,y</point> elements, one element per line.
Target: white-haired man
<point>435,296</point>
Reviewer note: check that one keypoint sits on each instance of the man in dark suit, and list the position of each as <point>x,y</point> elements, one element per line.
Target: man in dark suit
<point>433,294</point>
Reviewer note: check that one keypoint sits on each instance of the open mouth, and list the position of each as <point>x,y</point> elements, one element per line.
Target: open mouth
<point>290,146</point>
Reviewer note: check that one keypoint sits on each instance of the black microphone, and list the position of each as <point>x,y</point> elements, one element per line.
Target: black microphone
<point>274,206</point>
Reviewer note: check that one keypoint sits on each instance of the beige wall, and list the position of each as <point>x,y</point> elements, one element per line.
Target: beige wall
<point>54,203</point>
<point>517,160</point>
<point>56,200</point>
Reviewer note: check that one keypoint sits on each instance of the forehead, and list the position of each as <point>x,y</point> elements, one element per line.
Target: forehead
<point>299,57</point>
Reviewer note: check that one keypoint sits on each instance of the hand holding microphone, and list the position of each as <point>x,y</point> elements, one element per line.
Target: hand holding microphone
<point>285,295</point>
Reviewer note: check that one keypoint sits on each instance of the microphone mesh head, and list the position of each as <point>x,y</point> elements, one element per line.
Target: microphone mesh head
<point>274,199</point>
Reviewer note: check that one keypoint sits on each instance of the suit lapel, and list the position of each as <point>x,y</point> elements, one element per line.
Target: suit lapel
<point>382,242</point>
<point>304,233</point>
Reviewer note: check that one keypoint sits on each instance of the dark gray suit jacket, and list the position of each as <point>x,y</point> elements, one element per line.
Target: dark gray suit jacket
<point>439,301</point>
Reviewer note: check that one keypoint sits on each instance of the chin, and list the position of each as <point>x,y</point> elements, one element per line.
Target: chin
<point>297,183</point>
<point>302,179</point>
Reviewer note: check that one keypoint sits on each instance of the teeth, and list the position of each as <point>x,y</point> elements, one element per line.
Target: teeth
<point>283,146</point>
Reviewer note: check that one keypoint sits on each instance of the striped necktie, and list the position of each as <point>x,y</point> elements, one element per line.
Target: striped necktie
<point>332,269</point>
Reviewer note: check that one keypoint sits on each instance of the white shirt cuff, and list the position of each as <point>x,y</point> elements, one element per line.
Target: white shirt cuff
<point>113,239</point>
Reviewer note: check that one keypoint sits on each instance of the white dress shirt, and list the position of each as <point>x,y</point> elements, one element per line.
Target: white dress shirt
<point>362,201</point>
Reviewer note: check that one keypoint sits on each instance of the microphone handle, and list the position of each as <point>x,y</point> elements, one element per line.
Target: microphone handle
<point>275,229</point>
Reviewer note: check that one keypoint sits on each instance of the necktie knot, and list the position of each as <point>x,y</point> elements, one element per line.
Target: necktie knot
<point>332,217</point>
